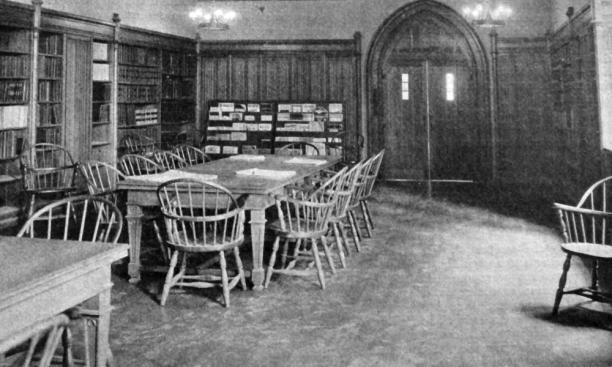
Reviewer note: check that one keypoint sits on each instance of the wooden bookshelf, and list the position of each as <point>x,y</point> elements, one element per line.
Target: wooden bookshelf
<point>15,67</point>
<point>101,95</point>
<point>178,94</point>
<point>235,127</point>
<point>138,96</point>
<point>321,124</point>
<point>240,127</point>
<point>49,124</point>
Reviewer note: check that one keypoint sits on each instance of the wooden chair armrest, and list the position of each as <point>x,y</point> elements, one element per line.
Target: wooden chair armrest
<point>578,210</point>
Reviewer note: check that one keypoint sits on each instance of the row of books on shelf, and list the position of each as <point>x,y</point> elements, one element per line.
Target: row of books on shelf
<point>233,136</point>
<point>13,117</point>
<point>50,44</point>
<point>136,74</point>
<point>49,135</point>
<point>137,93</point>
<point>10,143</point>
<point>311,126</point>
<point>101,113</point>
<point>254,108</point>
<point>178,64</point>
<point>237,116</point>
<point>49,90</point>
<point>228,149</point>
<point>178,88</point>
<point>49,67</point>
<point>49,114</point>
<point>319,113</point>
<point>131,115</point>
<point>14,66</point>
<point>146,115</point>
<point>317,108</point>
<point>13,91</point>
<point>241,126</point>
<point>138,55</point>
<point>101,91</point>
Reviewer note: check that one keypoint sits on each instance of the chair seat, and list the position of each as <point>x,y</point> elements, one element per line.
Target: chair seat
<point>199,246</point>
<point>588,250</point>
<point>52,190</point>
<point>304,233</point>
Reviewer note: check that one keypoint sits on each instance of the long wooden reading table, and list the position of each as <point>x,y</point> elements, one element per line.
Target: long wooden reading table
<point>259,193</point>
<point>41,278</point>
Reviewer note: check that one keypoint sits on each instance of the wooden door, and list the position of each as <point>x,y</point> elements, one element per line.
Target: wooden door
<point>432,112</point>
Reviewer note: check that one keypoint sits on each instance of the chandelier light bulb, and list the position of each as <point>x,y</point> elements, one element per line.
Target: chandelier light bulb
<point>211,18</point>
<point>483,15</point>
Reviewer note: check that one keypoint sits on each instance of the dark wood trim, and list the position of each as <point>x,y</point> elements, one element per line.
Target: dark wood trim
<point>275,46</point>
<point>16,14</point>
<point>142,37</point>
<point>61,22</point>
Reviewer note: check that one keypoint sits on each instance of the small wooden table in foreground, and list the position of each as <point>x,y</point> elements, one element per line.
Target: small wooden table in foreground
<point>41,278</point>
<point>259,192</point>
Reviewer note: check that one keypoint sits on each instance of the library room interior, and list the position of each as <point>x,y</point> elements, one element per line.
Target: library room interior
<point>305,183</point>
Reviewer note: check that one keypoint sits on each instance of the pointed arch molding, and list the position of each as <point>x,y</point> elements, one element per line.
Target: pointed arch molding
<point>380,42</point>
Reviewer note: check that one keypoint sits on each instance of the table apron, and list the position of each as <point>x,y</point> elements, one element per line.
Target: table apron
<point>41,303</point>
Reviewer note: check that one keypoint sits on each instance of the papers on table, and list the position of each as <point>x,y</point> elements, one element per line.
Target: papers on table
<point>248,157</point>
<point>266,173</point>
<point>301,160</point>
<point>173,175</point>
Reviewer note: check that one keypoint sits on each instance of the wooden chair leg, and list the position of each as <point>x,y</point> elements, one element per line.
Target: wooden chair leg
<point>562,280</point>
<point>330,260</point>
<point>367,212</point>
<point>271,262</point>
<point>339,245</point>
<point>160,241</point>
<point>31,205</point>
<point>169,276</point>
<point>345,241</point>
<point>315,254</point>
<point>354,231</point>
<point>224,280</point>
<point>352,215</point>
<point>284,253</point>
<point>595,275</point>
<point>240,268</point>
<point>366,218</point>
<point>68,360</point>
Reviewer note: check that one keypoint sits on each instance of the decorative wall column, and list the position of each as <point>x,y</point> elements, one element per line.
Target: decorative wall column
<point>493,93</point>
<point>115,89</point>
<point>34,72</point>
<point>602,21</point>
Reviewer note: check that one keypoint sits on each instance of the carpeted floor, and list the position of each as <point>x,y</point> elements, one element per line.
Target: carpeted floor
<point>440,284</point>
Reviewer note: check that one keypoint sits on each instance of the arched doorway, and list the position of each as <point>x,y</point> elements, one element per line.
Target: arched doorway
<point>428,96</point>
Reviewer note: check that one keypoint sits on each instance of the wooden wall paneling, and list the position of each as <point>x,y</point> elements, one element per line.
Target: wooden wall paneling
<point>300,70</point>
<point>525,138</point>
<point>238,84</point>
<point>78,97</point>
<point>276,81</point>
<point>252,77</point>
<point>574,93</point>
<point>340,87</point>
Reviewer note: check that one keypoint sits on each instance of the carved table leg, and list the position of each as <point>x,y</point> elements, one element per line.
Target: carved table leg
<point>102,345</point>
<point>134,219</point>
<point>258,226</point>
